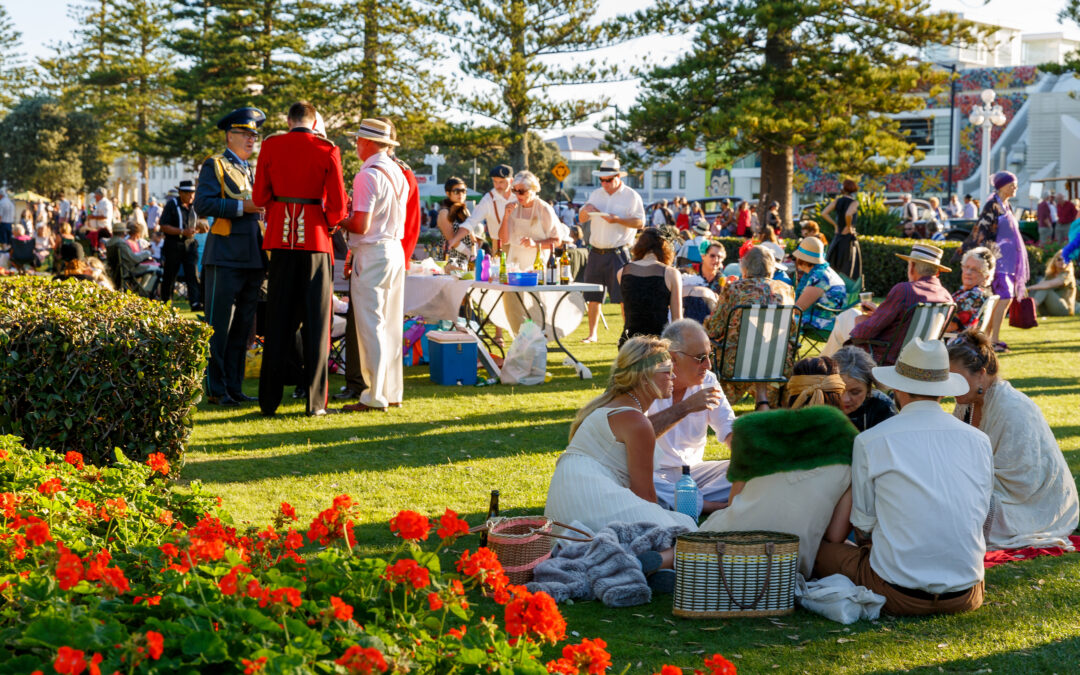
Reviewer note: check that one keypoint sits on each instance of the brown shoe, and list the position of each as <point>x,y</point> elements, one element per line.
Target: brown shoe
<point>360,407</point>
<point>395,405</point>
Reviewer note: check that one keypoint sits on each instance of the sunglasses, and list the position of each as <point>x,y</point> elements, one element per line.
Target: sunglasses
<point>607,180</point>
<point>457,191</point>
<point>520,191</point>
<point>246,134</point>
<point>702,358</point>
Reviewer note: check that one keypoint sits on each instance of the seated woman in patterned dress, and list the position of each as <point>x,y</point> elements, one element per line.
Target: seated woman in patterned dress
<point>818,286</point>
<point>756,287</point>
<point>976,273</point>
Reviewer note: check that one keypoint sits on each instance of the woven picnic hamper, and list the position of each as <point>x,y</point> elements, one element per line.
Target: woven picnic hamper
<point>735,574</point>
<point>523,542</point>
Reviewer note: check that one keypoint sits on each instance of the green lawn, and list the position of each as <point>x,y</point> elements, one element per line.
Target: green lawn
<point>450,446</point>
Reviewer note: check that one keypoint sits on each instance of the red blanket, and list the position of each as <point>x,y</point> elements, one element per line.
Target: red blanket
<point>1012,555</point>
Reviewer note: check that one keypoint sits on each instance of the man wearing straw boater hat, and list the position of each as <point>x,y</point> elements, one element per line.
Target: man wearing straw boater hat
<point>376,227</point>
<point>882,321</point>
<point>621,215</point>
<point>920,495</point>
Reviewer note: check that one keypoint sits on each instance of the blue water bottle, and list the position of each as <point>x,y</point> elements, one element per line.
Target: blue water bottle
<point>479,267</point>
<point>686,494</point>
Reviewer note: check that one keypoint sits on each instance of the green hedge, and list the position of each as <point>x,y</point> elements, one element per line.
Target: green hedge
<point>87,369</point>
<point>882,269</point>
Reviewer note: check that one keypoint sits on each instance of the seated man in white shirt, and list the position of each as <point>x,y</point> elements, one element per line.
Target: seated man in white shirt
<point>920,485</point>
<point>682,422</point>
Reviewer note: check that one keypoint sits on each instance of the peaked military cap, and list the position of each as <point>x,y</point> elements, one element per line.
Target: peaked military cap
<point>242,118</point>
<point>501,171</point>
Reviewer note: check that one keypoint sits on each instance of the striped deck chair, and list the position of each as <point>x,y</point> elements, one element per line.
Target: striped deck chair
<point>767,335</point>
<point>927,321</point>
<point>983,321</point>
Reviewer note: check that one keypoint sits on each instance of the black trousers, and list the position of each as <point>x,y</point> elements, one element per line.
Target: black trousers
<point>354,375</point>
<point>298,296</point>
<point>232,295</point>
<point>177,254</point>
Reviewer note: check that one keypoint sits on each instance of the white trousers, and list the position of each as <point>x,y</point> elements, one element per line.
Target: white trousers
<point>378,290</point>
<point>842,327</point>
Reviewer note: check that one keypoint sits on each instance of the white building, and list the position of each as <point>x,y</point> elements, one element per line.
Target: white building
<point>683,175</point>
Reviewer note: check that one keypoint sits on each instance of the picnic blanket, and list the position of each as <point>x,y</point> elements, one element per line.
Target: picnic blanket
<point>994,558</point>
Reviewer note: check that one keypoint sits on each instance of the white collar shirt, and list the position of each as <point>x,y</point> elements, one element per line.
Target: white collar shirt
<point>488,213</point>
<point>684,443</point>
<point>380,189</point>
<point>625,203</point>
<point>102,208</point>
<point>7,210</point>
<point>921,483</point>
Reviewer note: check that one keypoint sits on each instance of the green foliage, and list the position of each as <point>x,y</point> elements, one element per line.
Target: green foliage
<point>49,149</point>
<point>509,46</point>
<point>13,71</point>
<point>88,369</point>
<point>775,75</point>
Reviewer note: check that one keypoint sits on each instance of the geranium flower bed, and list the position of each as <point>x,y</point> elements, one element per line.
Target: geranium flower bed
<point>111,570</point>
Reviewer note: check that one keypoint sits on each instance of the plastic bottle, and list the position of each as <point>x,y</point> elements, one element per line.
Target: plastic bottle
<point>686,494</point>
<point>495,269</point>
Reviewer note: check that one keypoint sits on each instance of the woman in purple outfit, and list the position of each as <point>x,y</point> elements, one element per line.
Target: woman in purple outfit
<point>998,224</point>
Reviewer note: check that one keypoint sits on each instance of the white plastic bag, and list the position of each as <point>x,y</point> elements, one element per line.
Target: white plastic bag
<point>526,360</point>
<point>838,598</point>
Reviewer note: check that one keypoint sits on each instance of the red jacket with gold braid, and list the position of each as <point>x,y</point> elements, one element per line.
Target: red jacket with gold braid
<point>299,183</point>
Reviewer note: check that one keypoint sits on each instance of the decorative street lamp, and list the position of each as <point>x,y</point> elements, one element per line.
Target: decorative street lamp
<point>988,116</point>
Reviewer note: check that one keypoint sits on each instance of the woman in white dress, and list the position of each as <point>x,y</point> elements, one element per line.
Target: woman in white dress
<point>605,475</point>
<point>529,224</point>
<point>1034,501</point>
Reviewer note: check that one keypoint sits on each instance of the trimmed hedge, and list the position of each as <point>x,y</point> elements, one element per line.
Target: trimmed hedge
<point>882,269</point>
<point>88,369</point>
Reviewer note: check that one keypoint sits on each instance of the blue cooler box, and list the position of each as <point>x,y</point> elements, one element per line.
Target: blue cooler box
<point>452,357</point>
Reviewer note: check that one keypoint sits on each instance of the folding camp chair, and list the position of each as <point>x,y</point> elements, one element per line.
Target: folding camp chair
<point>983,319</point>
<point>810,337</point>
<point>927,321</point>
<point>768,336</point>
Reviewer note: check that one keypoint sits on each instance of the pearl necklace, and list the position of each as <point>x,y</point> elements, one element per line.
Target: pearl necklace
<point>631,395</point>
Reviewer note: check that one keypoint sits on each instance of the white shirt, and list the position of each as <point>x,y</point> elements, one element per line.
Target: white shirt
<point>153,212</point>
<point>684,443</point>
<point>7,210</point>
<point>921,482</point>
<point>102,208</point>
<point>65,208</point>
<point>625,203</point>
<point>658,217</point>
<point>969,211</point>
<point>380,189</point>
<point>488,212</point>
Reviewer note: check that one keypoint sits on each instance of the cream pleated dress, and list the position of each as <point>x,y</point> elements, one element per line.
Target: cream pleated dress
<point>591,483</point>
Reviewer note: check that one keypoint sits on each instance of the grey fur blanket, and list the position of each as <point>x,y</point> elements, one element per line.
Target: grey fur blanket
<point>606,567</point>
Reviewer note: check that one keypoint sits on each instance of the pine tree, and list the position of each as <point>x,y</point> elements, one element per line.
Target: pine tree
<point>13,70</point>
<point>773,76</point>
<point>50,150</point>
<point>510,45</point>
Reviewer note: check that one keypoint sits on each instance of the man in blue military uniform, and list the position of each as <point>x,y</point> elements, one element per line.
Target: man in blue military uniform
<point>234,260</point>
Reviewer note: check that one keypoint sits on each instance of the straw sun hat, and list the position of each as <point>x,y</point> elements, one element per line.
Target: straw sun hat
<point>923,368</point>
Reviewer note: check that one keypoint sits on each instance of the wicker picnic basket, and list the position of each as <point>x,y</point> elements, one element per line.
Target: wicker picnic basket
<point>523,542</point>
<point>735,574</point>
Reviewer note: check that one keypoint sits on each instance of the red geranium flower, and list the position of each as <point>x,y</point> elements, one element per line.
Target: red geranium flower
<point>410,525</point>
<point>114,577</point>
<point>251,667</point>
<point>155,644</point>
<point>37,533</point>
<point>590,656</point>
<point>457,632</point>
<point>342,610</point>
<point>534,615</point>
<point>73,458</point>
<point>669,670</point>
<point>434,602</point>
<point>451,525</point>
<point>366,660</point>
<point>165,517</point>
<point>288,511</point>
<point>69,661</point>
<point>157,462</point>
<point>718,665</point>
<point>69,568</point>
<point>51,486</point>
<point>408,571</point>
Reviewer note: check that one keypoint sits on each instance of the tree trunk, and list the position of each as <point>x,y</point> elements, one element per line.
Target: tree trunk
<point>369,88</point>
<point>519,148</point>
<point>777,176</point>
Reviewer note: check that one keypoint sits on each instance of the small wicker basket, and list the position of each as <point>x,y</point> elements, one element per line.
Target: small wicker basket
<point>523,542</point>
<point>735,574</point>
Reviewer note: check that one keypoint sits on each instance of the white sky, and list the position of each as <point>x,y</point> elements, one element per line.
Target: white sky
<point>42,22</point>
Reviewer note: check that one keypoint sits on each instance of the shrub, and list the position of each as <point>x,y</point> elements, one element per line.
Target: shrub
<point>85,582</point>
<point>87,369</point>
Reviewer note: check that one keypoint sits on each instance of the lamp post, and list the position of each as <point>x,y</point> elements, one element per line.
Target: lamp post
<point>988,116</point>
<point>434,160</point>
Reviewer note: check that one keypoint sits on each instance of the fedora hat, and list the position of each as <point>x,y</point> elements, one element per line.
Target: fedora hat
<point>609,167</point>
<point>186,186</point>
<point>811,250</point>
<point>701,228</point>
<point>922,368</point>
<point>375,130</point>
<point>925,253</point>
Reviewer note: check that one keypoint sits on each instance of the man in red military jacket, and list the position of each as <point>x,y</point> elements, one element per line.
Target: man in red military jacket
<point>299,183</point>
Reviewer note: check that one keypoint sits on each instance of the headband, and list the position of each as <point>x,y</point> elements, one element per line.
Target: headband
<point>810,389</point>
<point>646,363</point>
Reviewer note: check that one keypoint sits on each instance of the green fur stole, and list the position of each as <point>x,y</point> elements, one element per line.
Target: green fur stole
<point>790,440</point>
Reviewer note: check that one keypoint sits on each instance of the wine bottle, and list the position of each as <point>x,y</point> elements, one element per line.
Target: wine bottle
<point>503,278</point>
<point>538,267</point>
<point>564,269</point>
<point>552,270</point>
<point>493,511</point>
